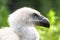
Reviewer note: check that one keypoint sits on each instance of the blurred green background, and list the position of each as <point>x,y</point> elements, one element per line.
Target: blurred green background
<point>49,8</point>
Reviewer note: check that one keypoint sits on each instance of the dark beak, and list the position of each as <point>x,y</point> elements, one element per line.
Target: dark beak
<point>44,22</point>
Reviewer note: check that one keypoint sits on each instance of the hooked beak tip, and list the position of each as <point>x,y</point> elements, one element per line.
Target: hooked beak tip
<point>45,23</point>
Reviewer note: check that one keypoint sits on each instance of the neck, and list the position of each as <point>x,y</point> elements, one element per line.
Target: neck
<point>26,32</point>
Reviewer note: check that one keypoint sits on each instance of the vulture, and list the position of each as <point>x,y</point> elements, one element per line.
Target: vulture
<point>22,24</point>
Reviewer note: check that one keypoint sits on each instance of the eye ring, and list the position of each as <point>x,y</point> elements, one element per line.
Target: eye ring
<point>34,14</point>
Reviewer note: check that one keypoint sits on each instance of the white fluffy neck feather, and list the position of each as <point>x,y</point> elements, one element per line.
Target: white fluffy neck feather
<point>26,32</point>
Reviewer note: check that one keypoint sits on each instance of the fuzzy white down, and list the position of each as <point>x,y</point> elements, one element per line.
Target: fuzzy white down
<point>21,26</point>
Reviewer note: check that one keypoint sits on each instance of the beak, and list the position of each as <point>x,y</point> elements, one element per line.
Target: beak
<point>44,21</point>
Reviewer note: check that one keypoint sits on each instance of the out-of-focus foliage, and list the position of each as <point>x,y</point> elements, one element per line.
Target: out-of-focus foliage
<point>49,8</point>
<point>3,13</point>
<point>51,17</point>
<point>3,16</point>
<point>51,33</point>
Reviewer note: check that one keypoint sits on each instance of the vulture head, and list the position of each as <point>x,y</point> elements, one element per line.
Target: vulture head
<point>27,16</point>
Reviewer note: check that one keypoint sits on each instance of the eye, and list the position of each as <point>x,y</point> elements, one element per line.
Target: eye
<point>34,15</point>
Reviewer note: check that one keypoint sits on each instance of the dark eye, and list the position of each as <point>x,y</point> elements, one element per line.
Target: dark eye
<point>35,15</point>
